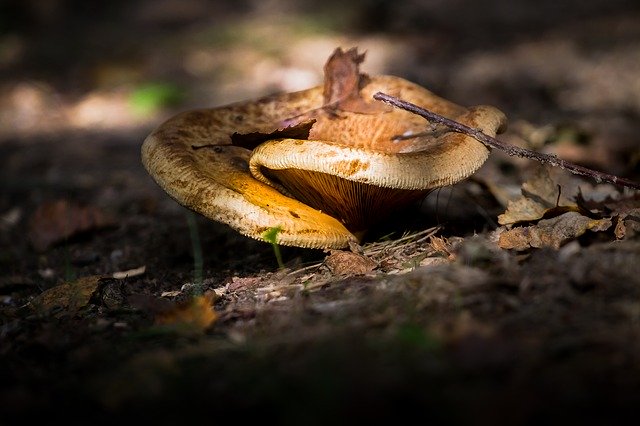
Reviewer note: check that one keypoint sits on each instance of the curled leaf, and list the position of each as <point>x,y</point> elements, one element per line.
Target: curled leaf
<point>342,83</point>
<point>540,194</point>
<point>628,224</point>
<point>552,232</point>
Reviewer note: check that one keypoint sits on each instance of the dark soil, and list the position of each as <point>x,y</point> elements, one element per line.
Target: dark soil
<point>447,327</point>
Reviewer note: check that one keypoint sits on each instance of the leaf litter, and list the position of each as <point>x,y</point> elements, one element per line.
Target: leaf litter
<point>69,297</point>
<point>551,213</point>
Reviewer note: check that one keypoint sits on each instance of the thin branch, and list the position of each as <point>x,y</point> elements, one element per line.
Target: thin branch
<point>512,150</point>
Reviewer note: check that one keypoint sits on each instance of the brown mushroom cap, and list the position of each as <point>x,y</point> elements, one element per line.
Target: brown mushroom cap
<point>214,181</point>
<point>351,167</point>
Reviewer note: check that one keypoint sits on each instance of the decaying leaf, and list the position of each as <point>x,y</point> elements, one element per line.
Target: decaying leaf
<point>56,221</point>
<point>539,195</point>
<point>294,130</point>
<point>69,296</point>
<point>195,313</point>
<point>445,246</point>
<point>628,224</point>
<point>348,263</point>
<point>552,232</point>
<point>623,208</point>
<point>342,83</point>
<point>553,214</point>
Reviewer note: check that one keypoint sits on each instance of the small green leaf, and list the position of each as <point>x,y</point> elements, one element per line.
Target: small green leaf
<point>271,236</point>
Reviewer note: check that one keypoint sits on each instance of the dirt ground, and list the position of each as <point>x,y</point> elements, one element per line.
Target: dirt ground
<point>474,310</point>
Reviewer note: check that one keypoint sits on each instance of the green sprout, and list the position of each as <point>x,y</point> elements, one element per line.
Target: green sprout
<point>271,236</point>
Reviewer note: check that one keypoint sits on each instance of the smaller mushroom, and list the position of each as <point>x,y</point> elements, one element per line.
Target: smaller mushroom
<point>321,165</point>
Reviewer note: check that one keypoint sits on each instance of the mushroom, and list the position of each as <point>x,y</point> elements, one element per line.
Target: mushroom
<point>317,166</point>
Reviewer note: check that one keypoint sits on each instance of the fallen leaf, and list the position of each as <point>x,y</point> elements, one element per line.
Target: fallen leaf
<point>343,81</point>
<point>552,232</point>
<point>56,221</point>
<point>623,208</point>
<point>294,130</point>
<point>195,313</point>
<point>445,246</point>
<point>628,224</point>
<point>348,263</point>
<point>69,296</point>
<point>539,195</point>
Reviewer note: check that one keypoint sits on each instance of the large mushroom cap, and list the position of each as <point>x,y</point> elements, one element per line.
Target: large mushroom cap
<point>315,170</point>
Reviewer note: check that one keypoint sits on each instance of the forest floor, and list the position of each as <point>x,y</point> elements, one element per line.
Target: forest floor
<point>512,297</point>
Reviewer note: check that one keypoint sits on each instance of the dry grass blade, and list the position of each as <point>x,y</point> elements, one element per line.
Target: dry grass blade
<point>401,243</point>
<point>398,251</point>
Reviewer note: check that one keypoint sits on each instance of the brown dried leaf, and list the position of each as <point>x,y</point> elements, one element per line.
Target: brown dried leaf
<point>195,313</point>
<point>294,130</point>
<point>624,208</point>
<point>348,263</point>
<point>445,246</point>
<point>628,224</point>
<point>342,75</point>
<point>622,205</point>
<point>552,232</point>
<point>58,220</point>
<point>70,296</point>
<point>539,194</point>
<point>343,81</point>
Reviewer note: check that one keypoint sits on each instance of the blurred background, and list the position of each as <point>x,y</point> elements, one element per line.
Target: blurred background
<point>118,65</point>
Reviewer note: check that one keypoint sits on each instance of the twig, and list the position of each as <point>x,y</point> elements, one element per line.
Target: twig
<point>512,150</point>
